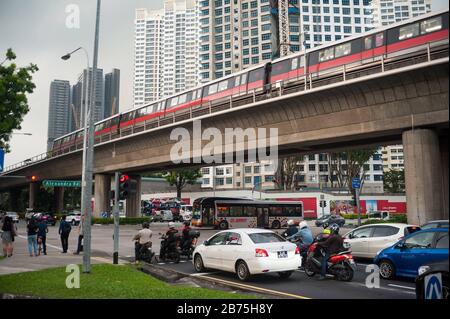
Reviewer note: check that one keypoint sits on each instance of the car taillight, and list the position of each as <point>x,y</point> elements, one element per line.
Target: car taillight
<point>261,252</point>
<point>297,250</point>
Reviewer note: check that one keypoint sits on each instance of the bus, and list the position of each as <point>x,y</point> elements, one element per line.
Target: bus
<point>243,213</point>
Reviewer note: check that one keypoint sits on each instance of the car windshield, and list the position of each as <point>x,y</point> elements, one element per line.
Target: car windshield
<point>411,229</point>
<point>262,238</point>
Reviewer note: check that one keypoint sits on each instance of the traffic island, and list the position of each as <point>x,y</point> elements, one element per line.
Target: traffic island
<point>104,282</point>
<point>178,278</point>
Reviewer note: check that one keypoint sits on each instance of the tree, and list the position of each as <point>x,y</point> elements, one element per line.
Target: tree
<point>286,170</point>
<point>180,178</point>
<point>394,181</point>
<point>15,83</point>
<point>344,166</point>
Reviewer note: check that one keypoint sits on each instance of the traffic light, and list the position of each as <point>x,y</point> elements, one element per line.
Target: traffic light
<point>353,201</point>
<point>127,186</point>
<point>32,178</point>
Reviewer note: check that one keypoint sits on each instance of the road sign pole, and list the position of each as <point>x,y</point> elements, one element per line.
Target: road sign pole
<point>358,209</point>
<point>116,219</point>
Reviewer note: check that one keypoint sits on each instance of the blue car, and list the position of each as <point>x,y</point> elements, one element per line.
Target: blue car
<point>404,258</point>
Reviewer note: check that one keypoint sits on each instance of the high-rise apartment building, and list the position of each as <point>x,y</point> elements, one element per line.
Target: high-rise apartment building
<point>76,107</point>
<point>58,112</point>
<point>98,111</point>
<point>235,34</point>
<point>166,50</point>
<point>393,158</point>
<point>390,11</point>
<point>112,93</point>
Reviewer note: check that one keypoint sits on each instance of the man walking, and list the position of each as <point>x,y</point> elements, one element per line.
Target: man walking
<point>42,237</point>
<point>80,236</point>
<point>64,231</point>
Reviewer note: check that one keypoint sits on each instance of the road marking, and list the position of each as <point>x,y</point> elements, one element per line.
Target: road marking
<point>48,245</point>
<point>383,288</point>
<point>404,287</point>
<point>254,288</point>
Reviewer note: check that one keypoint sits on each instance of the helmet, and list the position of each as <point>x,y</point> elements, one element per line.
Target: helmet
<point>145,225</point>
<point>327,231</point>
<point>171,225</point>
<point>303,224</point>
<point>334,228</point>
<point>290,222</point>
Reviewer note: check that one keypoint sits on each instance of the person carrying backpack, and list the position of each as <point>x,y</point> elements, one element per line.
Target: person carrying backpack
<point>64,231</point>
<point>32,230</point>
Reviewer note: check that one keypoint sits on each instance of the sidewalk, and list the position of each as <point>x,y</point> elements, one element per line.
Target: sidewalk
<point>22,262</point>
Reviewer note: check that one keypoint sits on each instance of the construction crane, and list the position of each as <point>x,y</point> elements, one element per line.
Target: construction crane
<point>280,10</point>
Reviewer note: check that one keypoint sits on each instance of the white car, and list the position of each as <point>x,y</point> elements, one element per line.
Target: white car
<point>14,216</point>
<point>246,252</point>
<point>367,241</point>
<point>74,218</point>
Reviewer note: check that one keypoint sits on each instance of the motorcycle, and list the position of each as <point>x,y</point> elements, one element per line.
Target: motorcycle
<point>145,253</point>
<point>170,251</point>
<point>341,265</point>
<point>192,240</point>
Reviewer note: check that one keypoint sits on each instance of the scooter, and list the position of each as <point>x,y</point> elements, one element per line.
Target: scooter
<point>146,253</point>
<point>170,251</point>
<point>192,238</point>
<point>341,265</point>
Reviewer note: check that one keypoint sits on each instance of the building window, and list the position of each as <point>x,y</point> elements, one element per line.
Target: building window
<point>205,181</point>
<point>311,167</point>
<point>248,180</point>
<point>219,171</point>
<point>220,181</point>
<point>247,169</point>
<point>378,178</point>
<point>205,170</point>
<point>229,180</point>
<point>268,178</point>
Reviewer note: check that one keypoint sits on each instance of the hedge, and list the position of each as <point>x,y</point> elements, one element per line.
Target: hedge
<point>122,221</point>
<point>395,219</point>
<point>353,216</point>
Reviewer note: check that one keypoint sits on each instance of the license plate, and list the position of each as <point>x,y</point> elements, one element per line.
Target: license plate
<point>282,254</point>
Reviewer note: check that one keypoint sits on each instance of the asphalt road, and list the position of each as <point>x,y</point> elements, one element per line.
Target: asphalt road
<point>297,286</point>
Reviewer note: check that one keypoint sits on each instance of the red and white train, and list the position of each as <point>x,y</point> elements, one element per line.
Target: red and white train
<point>389,43</point>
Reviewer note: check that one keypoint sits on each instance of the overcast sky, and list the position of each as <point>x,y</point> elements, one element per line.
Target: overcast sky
<point>36,31</point>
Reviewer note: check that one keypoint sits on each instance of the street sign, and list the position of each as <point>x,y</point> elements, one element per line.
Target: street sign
<point>433,286</point>
<point>2,159</point>
<point>50,183</point>
<point>356,183</point>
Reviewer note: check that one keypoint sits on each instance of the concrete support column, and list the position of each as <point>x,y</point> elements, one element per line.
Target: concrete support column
<point>423,176</point>
<point>133,205</point>
<point>444,164</point>
<point>58,199</point>
<point>102,188</point>
<point>34,189</point>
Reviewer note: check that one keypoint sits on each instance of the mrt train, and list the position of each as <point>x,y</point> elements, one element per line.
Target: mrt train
<point>426,32</point>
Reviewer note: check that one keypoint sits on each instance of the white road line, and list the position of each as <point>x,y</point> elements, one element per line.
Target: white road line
<point>404,287</point>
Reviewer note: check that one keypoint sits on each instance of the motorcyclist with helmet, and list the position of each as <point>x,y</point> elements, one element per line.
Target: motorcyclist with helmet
<point>331,245</point>
<point>142,240</point>
<point>171,238</point>
<point>186,238</point>
<point>291,230</point>
<point>304,234</point>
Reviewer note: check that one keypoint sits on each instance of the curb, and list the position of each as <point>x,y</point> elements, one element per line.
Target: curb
<point>174,277</point>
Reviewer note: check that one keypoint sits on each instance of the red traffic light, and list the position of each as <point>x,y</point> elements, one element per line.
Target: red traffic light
<point>33,178</point>
<point>124,178</point>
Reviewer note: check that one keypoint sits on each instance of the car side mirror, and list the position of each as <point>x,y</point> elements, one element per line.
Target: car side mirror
<point>206,243</point>
<point>350,236</point>
<point>401,245</point>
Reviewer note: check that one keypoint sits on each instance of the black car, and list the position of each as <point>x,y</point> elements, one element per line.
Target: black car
<point>432,268</point>
<point>49,218</point>
<point>330,219</point>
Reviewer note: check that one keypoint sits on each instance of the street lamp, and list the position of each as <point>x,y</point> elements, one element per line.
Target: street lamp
<point>88,149</point>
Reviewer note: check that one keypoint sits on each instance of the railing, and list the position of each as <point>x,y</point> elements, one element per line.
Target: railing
<point>304,82</point>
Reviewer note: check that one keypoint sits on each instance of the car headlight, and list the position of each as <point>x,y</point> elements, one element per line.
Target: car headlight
<point>423,269</point>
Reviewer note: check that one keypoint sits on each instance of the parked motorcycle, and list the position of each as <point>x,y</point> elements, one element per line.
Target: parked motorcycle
<point>170,250</point>
<point>341,265</point>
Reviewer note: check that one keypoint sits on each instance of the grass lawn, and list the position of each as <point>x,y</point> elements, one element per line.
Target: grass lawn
<point>2,257</point>
<point>104,281</point>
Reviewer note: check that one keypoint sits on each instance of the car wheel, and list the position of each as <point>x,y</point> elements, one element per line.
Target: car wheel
<point>74,222</point>
<point>285,274</point>
<point>276,224</point>
<point>242,271</point>
<point>198,263</point>
<point>387,269</point>
<point>223,225</point>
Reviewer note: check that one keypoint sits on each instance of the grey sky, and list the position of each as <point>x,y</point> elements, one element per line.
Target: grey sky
<point>36,31</point>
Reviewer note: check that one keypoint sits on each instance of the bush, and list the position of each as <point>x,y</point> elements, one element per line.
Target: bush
<point>122,221</point>
<point>353,216</point>
<point>400,218</point>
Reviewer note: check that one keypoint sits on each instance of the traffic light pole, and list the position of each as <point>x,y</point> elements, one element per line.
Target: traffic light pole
<point>116,219</point>
<point>358,208</point>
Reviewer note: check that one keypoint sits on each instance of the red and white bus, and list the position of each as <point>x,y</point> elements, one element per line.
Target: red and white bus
<point>225,213</point>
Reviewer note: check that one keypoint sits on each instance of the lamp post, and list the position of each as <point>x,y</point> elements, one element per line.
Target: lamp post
<point>88,150</point>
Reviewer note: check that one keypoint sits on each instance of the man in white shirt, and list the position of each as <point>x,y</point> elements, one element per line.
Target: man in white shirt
<point>143,239</point>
